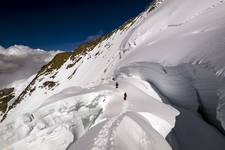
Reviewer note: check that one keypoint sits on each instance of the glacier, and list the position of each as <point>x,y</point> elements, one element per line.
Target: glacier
<point>170,62</point>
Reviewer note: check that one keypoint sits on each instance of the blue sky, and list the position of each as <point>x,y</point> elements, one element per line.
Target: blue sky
<point>62,24</point>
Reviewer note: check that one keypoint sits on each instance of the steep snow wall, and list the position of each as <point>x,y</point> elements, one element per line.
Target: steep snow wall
<point>193,90</point>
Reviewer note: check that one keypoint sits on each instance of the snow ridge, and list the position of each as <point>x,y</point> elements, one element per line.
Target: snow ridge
<point>105,138</point>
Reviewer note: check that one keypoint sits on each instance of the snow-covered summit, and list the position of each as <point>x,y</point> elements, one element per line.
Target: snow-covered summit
<point>169,60</point>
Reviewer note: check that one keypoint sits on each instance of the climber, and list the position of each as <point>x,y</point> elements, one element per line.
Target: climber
<point>125,96</point>
<point>117,84</point>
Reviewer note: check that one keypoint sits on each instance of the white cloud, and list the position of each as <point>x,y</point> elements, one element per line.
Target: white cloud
<point>91,37</point>
<point>19,62</point>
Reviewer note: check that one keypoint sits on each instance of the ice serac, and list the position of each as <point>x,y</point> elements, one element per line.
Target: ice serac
<point>193,91</point>
<point>168,61</point>
<point>192,87</point>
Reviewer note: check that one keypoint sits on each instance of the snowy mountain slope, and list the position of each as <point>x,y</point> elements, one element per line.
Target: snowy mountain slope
<point>170,62</point>
<point>18,65</point>
<point>79,111</point>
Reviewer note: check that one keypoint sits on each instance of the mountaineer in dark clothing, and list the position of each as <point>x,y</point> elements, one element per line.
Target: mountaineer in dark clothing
<point>117,84</point>
<point>125,96</point>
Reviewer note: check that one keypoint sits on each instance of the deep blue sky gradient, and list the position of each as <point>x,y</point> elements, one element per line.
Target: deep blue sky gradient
<point>62,24</point>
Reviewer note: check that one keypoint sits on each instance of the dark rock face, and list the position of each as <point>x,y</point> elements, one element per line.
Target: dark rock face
<point>193,90</point>
<point>6,91</point>
<point>5,96</point>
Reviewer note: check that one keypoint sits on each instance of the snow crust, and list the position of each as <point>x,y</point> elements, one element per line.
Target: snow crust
<point>69,116</point>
